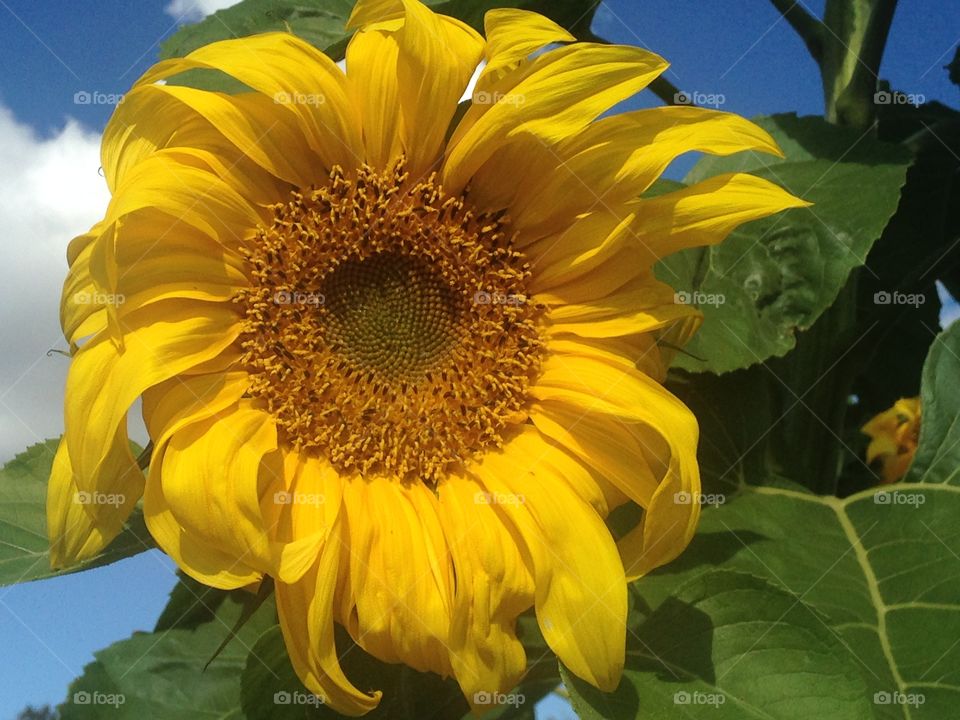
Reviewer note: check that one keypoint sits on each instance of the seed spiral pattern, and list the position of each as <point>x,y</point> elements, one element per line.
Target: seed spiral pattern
<point>387,326</point>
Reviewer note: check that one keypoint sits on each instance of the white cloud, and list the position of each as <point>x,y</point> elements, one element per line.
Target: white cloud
<point>50,191</point>
<point>195,10</point>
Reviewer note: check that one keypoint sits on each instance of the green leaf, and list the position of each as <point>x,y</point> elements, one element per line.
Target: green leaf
<point>24,549</point>
<point>871,581</point>
<point>161,675</point>
<point>776,276</point>
<point>322,22</point>
<point>689,658</point>
<point>272,691</point>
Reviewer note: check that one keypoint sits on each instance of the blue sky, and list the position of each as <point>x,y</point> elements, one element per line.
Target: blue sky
<point>50,190</point>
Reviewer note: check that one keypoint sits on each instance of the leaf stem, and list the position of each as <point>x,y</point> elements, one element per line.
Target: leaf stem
<point>808,27</point>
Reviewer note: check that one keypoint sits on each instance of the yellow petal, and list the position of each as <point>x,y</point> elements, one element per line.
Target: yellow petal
<point>641,305</point>
<point>299,512</point>
<point>608,445</point>
<point>398,586</point>
<point>189,195</point>
<point>296,81</point>
<point>494,585</point>
<point>154,117</point>
<point>437,57</point>
<point>705,213</point>
<point>613,388</point>
<point>82,523</point>
<point>306,618</point>
<point>211,477</point>
<point>619,157</point>
<point>581,594</point>
<point>167,408</point>
<point>547,101</point>
<point>512,36</point>
<point>372,58</point>
<point>163,340</point>
<point>81,302</point>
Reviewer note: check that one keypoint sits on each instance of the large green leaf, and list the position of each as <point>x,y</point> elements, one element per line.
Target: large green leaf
<point>272,691</point>
<point>823,607</point>
<point>321,22</point>
<point>775,277</point>
<point>24,549</point>
<point>165,675</point>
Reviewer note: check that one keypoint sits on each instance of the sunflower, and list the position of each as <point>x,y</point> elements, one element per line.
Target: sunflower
<point>400,352</point>
<point>894,434</point>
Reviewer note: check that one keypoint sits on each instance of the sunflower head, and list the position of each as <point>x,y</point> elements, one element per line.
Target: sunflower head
<point>894,435</point>
<point>399,350</point>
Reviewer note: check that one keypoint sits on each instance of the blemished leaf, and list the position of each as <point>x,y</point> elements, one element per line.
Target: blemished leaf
<point>24,548</point>
<point>322,22</point>
<point>161,675</point>
<point>774,277</point>
<point>791,605</point>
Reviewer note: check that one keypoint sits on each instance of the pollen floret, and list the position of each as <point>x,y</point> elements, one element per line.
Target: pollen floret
<point>388,325</point>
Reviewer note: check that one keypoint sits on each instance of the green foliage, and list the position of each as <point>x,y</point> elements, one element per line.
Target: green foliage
<point>165,674</point>
<point>795,605</point>
<point>806,592</point>
<point>24,550</point>
<point>775,277</point>
<point>322,22</point>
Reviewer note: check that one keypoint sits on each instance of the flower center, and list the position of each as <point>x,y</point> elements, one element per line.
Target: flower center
<point>387,326</point>
<point>391,313</point>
